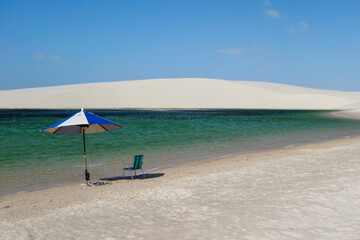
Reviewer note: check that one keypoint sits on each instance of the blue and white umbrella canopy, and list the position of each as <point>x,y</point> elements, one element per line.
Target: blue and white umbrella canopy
<point>82,123</point>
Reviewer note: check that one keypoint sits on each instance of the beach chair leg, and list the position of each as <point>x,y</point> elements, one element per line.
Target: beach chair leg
<point>143,172</point>
<point>131,175</point>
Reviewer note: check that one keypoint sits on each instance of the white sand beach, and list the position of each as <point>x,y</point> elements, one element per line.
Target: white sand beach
<point>305,192</point>
<point>179,93</point>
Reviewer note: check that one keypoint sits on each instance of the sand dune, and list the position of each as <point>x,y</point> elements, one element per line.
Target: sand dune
<point>179,93</point>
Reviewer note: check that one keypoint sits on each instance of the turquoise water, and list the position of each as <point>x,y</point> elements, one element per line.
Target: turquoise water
<point>30,159</point>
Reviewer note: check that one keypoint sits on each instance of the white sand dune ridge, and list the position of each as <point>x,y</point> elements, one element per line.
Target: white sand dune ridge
<point>185,93</point>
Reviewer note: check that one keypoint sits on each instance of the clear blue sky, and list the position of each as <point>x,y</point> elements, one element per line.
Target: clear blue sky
<point>310,43</point>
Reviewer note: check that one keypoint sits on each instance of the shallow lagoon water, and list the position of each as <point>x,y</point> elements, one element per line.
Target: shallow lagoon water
<point>30,159</point>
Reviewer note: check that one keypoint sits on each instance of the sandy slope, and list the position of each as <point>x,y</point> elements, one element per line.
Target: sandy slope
<point>178,93</point>
<point>308,192</point>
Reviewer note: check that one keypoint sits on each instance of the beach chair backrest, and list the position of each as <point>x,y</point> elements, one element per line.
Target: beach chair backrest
<point>137,161</point>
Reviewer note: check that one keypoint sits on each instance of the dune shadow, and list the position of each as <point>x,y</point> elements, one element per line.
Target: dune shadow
<point>140,177</point>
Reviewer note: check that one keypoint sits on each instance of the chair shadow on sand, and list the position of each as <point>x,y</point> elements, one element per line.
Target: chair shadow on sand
<point>140,177</point>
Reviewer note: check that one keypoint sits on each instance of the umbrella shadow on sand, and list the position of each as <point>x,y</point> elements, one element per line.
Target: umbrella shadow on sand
<point>140,177</point>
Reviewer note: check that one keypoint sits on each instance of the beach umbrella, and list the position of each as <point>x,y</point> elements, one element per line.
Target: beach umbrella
<point>83,123</point>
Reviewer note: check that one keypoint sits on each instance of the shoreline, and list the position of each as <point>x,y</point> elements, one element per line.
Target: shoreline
<point>349,113</point>
<point>178,163</point>
<point>254,155</point>
<point>218,183</point>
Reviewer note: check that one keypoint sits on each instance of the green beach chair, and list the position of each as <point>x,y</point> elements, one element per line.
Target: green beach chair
<point>135,166</point>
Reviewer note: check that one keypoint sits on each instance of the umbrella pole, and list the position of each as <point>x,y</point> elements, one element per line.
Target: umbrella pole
<point>87,174</point>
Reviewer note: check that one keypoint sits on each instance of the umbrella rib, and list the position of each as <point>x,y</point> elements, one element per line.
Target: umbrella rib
<point>56,130</point>
<point>103,127</point>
